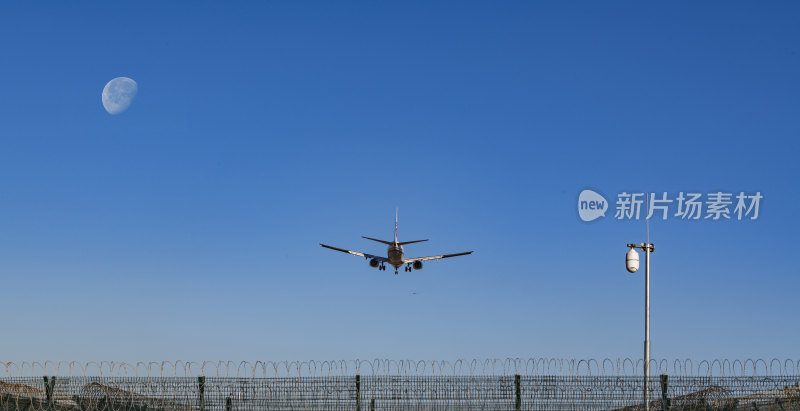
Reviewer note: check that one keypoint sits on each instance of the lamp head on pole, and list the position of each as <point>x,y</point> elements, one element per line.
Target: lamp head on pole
<point>632,261</point>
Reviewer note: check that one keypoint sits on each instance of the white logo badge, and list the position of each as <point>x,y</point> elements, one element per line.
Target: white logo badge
<point>591,205</point>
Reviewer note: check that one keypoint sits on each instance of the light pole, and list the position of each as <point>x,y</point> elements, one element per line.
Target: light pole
<point>632,264</point>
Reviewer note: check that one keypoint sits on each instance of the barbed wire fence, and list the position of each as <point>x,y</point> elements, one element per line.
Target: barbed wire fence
<point>562,367</point>
<point>511,384</point>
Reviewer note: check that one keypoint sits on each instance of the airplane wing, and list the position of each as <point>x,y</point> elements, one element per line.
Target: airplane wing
<point>356,253</point>
<point>434,257</point>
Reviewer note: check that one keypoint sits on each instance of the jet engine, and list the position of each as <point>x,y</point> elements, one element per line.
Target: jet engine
<point>374,263</point>
<point>417,265</point>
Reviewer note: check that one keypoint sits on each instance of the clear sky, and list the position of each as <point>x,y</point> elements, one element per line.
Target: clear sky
<point>187,227</point>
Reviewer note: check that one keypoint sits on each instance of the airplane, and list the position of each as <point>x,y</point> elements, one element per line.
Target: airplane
<point>395,254</point>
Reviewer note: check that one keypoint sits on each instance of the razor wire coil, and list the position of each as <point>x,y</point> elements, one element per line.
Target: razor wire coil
<point>562,367</point>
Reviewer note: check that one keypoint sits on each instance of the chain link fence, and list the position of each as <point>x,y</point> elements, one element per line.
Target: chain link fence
<point>394,392</point>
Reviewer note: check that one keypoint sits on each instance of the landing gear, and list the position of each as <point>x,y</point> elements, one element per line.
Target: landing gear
<point>395,271</point>
<point>408,268</point>
<point>382,267</point>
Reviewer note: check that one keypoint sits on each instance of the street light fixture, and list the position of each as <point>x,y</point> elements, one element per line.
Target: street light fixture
<point>632,264</point>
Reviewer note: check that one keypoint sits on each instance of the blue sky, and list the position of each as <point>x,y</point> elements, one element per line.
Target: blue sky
<point>188,226</point>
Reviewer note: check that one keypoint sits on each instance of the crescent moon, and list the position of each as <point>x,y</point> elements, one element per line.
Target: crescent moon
<point>118,94</point>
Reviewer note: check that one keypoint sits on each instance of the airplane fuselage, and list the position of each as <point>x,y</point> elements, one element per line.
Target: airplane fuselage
<point>395,255</point>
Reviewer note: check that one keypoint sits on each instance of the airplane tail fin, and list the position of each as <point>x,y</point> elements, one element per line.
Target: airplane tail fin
<point>395,235</point>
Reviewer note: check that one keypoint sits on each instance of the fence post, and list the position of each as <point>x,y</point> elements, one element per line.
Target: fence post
<point>358,392</point>
<point>518,393</point>
<point>665,401</point>
<point>228,403</point>
<point>48,390</point>
<point>201,385</point>
<point>372,404</point>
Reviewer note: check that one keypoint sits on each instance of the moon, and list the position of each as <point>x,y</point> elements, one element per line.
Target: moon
<point>118,94</point>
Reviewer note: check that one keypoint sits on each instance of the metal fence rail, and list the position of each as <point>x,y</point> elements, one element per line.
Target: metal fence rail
<point>394,392</point>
